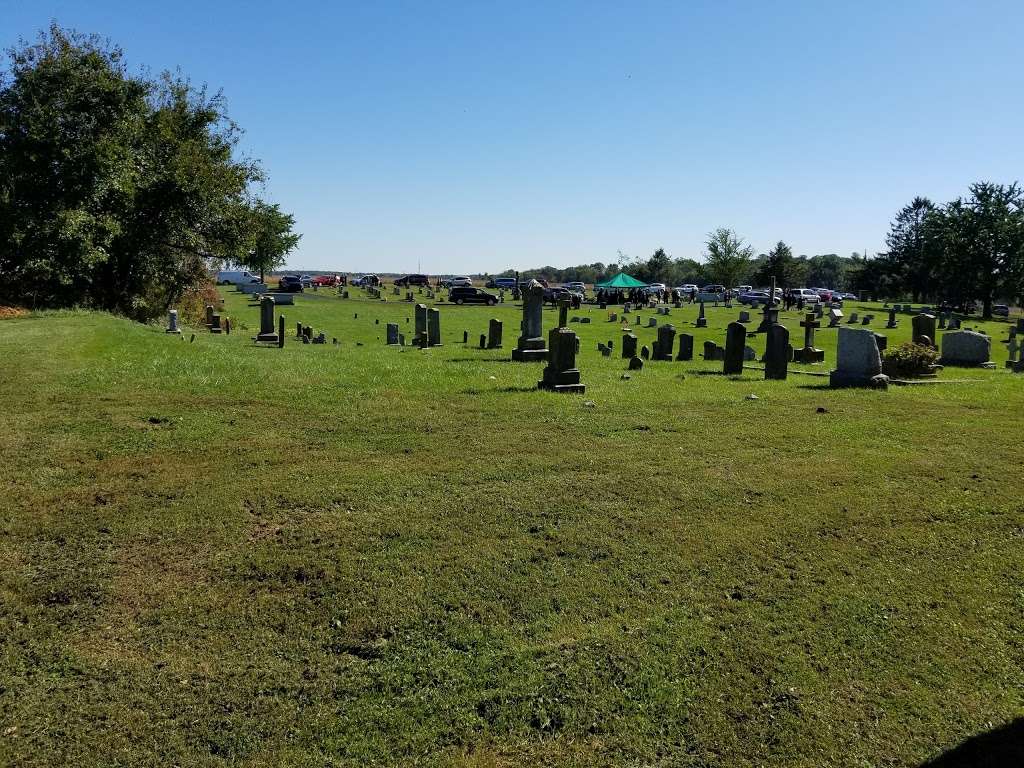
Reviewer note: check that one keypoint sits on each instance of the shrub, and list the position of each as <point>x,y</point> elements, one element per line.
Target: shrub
<point>910,359</point>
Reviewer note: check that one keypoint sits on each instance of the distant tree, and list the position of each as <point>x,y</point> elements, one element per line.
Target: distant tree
<point>780,264</point>
<point>272,235</point>
<point>115,190</point>
<point>914,249</point>
<point>727,258</point>
<point>826,271</point>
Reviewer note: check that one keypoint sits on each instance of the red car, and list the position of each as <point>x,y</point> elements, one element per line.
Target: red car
<point>322,280</point>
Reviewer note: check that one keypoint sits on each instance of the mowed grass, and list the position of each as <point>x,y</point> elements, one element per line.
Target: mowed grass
<point>213,553</point>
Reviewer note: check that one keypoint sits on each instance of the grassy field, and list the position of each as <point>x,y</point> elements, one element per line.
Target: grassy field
<point>212,553</point>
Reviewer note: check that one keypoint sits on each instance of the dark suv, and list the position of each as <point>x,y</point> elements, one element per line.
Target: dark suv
<point>467,295</point>
<point>290,284</point>
<point>412,280</point>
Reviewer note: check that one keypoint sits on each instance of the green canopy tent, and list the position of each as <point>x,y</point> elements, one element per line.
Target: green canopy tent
<point>620,282</point>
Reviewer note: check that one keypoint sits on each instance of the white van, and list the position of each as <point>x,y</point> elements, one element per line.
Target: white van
<point>809,296</point>
<point>236,277</point>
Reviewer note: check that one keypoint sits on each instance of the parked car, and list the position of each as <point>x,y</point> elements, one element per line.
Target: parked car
<point>508,283</point>
<point>577,287</point>
<point>825,294</point>
<point>712,292</point>
<point>655,288</point>
<point>409,280</point>
<point>687,288</point>
<point>461,282</point>
<point>236,277</point>
<point>326,280</point>
<point>1000,310</point>
<point>556,294</point>
<point>290,284</point>
<point>748,297</point>
<point>467,294</point>
<point>740,289</point>
<point>808,295</point>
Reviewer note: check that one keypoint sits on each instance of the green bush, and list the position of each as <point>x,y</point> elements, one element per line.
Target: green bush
<point>910,359</point>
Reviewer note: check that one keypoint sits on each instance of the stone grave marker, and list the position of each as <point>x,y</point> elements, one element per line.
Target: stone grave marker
<point>893,322</point>
<point>267,332</point>
<point>685,347</point>
<point>858,363</point>
<point>735,342</point>
<point>530,346</point>
<point>966,349</point>
<point>809,354</point>
<point>561,373</point>
<point>776,352</point>
<point>702,321</point>
<point>629,345</point>
<point>172,322</point>
<point>494,334</point>
<point>433,327</point>
<point>666,341</point>
<point>924,326</point>
<point>392,334</point>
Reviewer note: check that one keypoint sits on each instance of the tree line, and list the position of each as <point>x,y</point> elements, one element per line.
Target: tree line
<point>966,251</point>
<point>120,191</point>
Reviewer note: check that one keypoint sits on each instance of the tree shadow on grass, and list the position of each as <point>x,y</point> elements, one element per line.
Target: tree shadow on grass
<point>1001,747</point>
<point>504,390</point>
<point>814,386</point>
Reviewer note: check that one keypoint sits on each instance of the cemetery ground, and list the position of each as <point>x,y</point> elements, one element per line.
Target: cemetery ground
<point>213,553</point>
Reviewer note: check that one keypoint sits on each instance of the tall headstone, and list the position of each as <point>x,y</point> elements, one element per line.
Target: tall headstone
<point>561,373</point>
<point>267,332</point>
<point>215,324</point>
<point>924,326</point>
<point>172,322</point>
<point>628,345</point>
<point>421,322</point>
<point>735,342</point>
<point>494,332</point>
<point>834,316</point>
<point>434,327</point>
<point>858,363</point>
<point>209,315</point>
<point>666,341</point>
<point>530,346</point>
<point>776,352</point>
<point>702,322</point>
<point>392,334</point>
<point>893,322</point>
<point>685,347</point>
<point>809,353</point>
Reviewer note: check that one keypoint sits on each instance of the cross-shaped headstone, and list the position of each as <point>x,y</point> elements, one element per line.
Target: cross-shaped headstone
<point>809,324</point>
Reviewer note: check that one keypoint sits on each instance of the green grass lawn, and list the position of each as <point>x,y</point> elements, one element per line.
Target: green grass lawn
<point>213,553</point>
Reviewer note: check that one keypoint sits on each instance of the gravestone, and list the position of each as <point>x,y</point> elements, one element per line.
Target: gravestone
<point>893,322</point>
<point>776,352</point>
<point>819,310</point>
<point>636,364</point>
<point>215,324</point>
<point>628,345</point>
<point>433,327</point>
<point>809,354</point>
<point>858,363</point>
<point>685,347</point>
<point>606,351</point>
<point>172,322</point>
<point>1012,351</point>
<point>613,317</point>
<point>267,320</point>
<point>645,352</point>
<point>530,346</point>
<point>280,331</point>
<point>713,352</point>
<point>749,354</point>
<point>735,341</point>
<point>834,316</point>
<point>852,319</point>
<point>954,324</point>
<point>924,326</point>
<point>744,316</point>
<point>652,323</point>
<point>422,321</point>
<point>392,332</point>
<point>966,349</point>
<point>561,373</point>
<point>209,315</point>
<point>866,320</point>
<point>666,340</point>
<point>702,321</point>
<point>882,342</point>
<point>494,333</point>
<point>769,317</point>
<point>483,341</point>
<point>1020,325</point>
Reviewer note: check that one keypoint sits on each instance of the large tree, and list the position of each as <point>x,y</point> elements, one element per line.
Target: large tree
<point>727,258</point>
<point>116,190</point>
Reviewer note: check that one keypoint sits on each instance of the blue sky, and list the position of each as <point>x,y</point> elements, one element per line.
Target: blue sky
<point>475,136</point>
